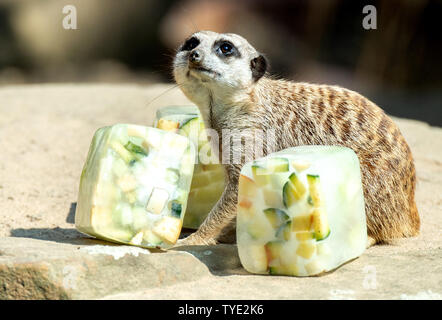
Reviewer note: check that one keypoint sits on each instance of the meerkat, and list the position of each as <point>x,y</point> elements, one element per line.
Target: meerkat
<point>227,79</point>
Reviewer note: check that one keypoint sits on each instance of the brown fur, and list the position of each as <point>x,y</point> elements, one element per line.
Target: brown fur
<point>310,114</point>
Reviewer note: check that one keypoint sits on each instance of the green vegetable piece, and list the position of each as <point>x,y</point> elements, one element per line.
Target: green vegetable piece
<point>320,224</point>
<point>176,209</point>
<point>272,165</point>
<point>287,195</point>
<point>138,151</point>
<point>313,181</point>
<point>273,250</point>
<point>298,186</point>
<point>127,156</point>
<point>285,231</point>
<point>276,217</point>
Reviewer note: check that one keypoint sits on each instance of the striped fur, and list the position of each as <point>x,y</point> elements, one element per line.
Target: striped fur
<point>310,114</point>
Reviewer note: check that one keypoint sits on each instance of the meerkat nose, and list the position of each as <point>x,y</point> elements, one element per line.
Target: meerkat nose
<point>195,57</point>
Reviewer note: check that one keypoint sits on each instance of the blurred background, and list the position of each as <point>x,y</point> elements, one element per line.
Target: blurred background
<point>398,65</point>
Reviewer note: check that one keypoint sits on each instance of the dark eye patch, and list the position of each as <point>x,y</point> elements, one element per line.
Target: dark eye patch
<point>190,44</point>
<point>225,48</point>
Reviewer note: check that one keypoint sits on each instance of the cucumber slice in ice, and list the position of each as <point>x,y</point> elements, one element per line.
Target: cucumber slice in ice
<point>286,270</point>
<point>293,190</point>
<point>287,195</point>
<point>285,231</point>
<point>272,165</point>
<point>273,249</point>
<point>192,125</point>
<point>314,181</point>
<point>125,154</point>
<point>298,186</point>
<point>320,224</point>
<point>276,217</point>
<point>262,170</point>
<point>137,150</point>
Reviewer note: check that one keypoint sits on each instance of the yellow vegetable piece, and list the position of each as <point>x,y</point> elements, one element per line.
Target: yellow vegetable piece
<point>320,224</point>
<point>306,250</point>
<point>168,125</point>
<point>302,223</point>
<point>168,228</point>
<point>305,235</point>
<point>273,250</point>
<point>298,187</point>
<point>286,270</point>
<point>122,151</point>
<point>314,190</point>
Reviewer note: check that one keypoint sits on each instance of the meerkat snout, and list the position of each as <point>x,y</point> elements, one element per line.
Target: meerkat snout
<point>218,63</point>
<point>195,57</point>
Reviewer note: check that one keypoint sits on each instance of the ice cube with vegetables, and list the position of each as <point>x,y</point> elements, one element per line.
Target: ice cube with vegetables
<point>301,211</point>
<point>134,185</point>
<point>208,178</point>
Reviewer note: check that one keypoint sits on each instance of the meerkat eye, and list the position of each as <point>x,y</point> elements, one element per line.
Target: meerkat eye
<point>190,44</point>
<point>226,48</point>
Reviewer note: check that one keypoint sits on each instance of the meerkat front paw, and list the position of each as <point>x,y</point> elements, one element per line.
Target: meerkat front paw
<point>195,240</point>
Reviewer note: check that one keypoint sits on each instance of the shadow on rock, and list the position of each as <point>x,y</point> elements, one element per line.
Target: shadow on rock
<point>71,214</point>
<point>66,235</point>
<point>221,259</point>
<point>55,234</point>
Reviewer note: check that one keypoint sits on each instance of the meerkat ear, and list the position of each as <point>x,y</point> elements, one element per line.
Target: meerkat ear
<point>258,66</point>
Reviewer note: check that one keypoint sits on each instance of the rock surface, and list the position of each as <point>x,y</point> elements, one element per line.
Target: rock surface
<point>45,132</point>
<point>38,269</point>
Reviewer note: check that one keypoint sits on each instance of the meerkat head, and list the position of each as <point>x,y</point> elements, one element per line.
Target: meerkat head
<point>209,62</point>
